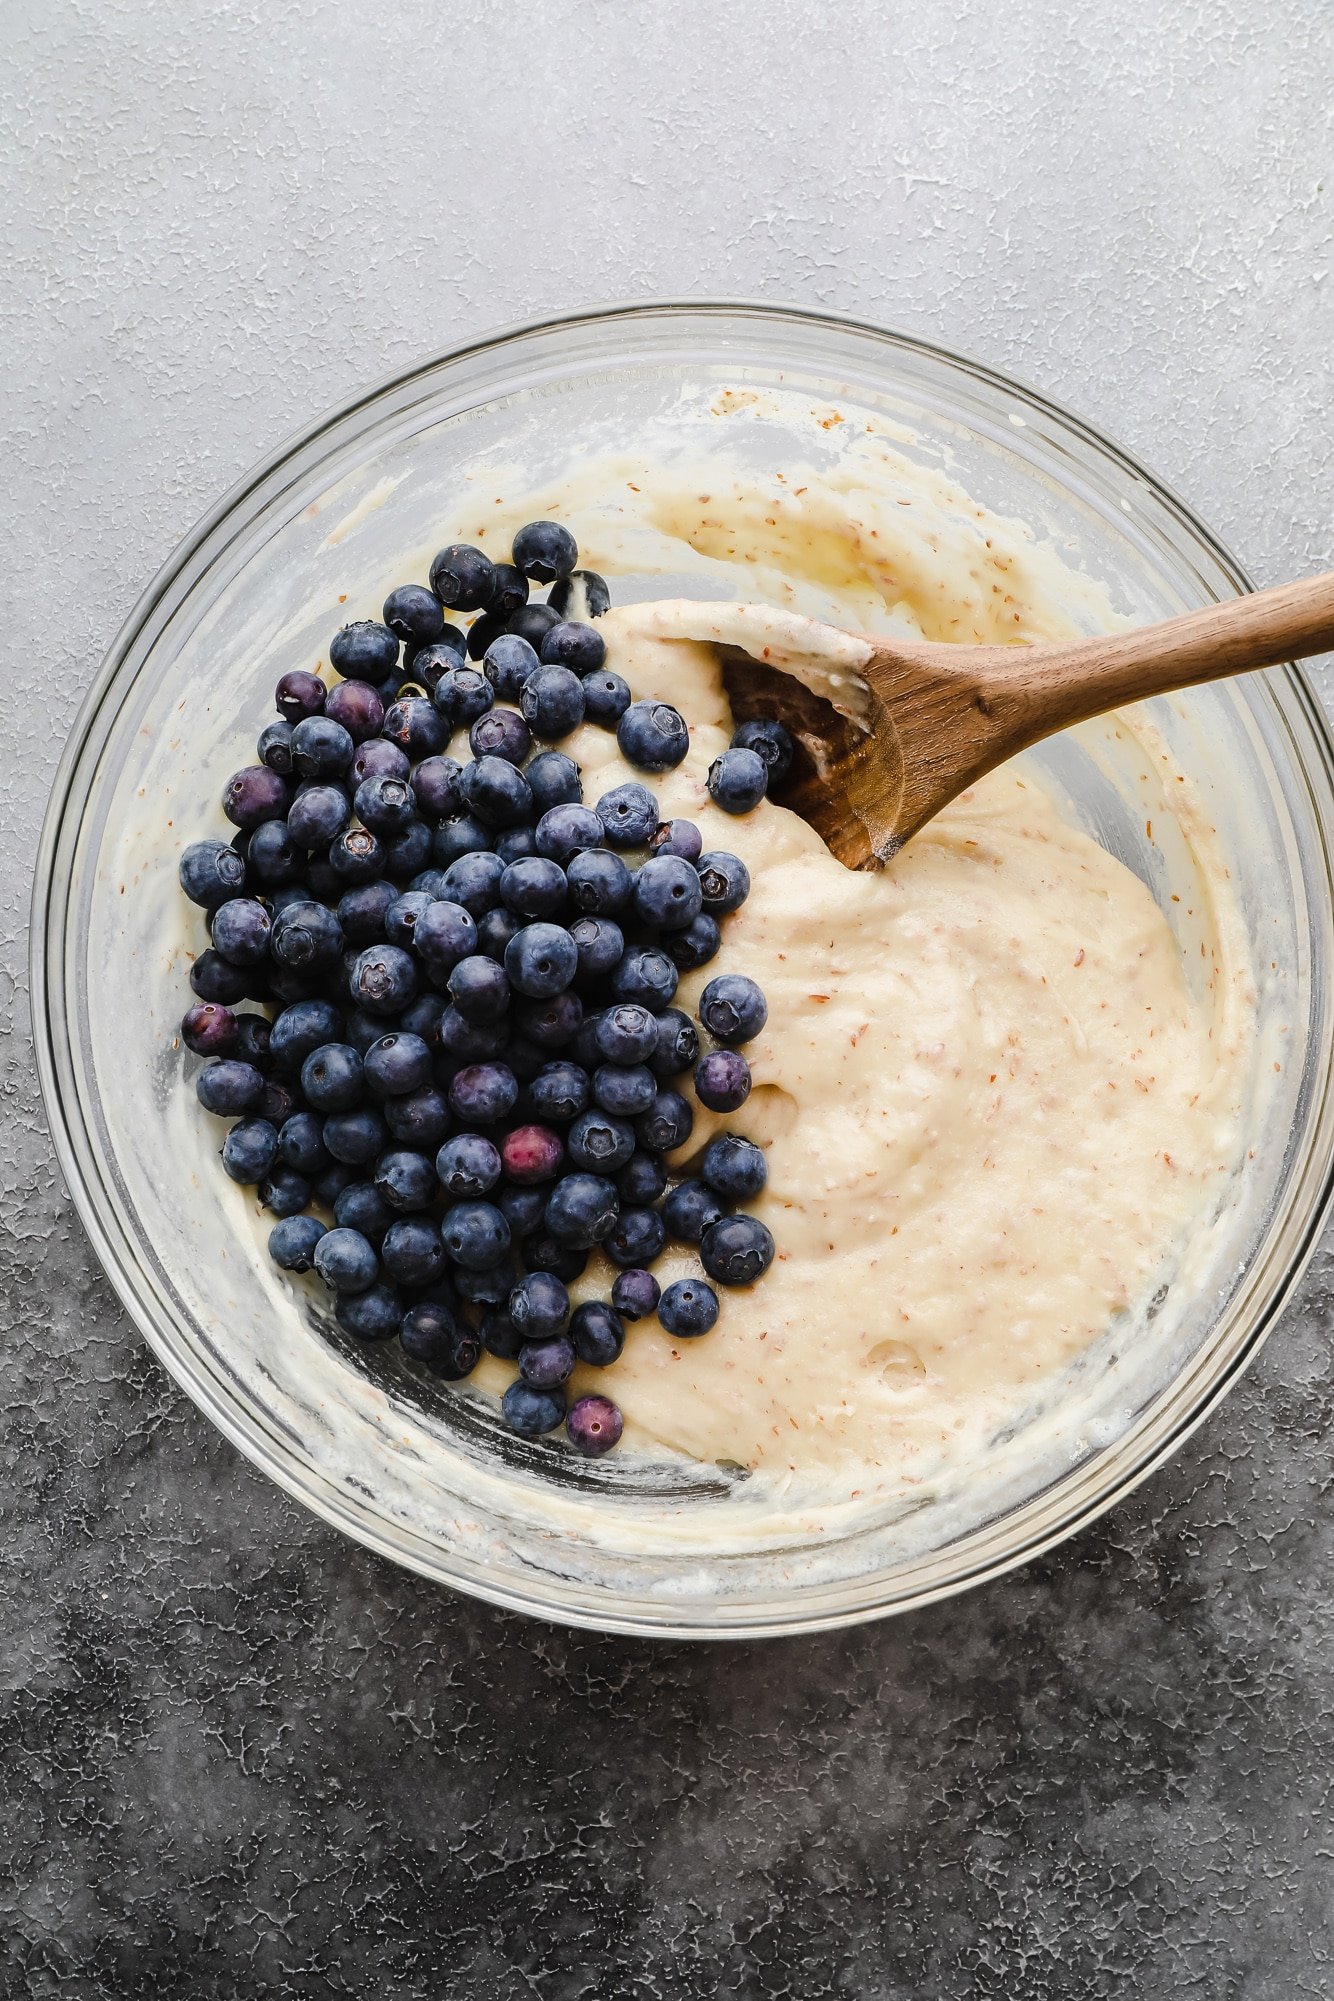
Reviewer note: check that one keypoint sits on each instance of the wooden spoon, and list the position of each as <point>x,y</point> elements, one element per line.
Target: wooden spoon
<point>901,726</point>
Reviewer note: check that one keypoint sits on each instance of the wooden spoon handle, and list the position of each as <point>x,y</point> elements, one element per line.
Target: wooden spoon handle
<point>1066,683</point>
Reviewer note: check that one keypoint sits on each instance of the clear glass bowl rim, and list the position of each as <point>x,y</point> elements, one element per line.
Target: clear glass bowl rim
<point>1123,1467</point>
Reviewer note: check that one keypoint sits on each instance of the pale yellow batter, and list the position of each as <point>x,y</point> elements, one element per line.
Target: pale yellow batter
<point>993,1107</point>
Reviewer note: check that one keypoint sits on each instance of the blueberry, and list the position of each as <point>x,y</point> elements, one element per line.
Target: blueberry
<point>361,1030</point>
<point>385,805</point>
<point>475,1234</point>
<point>479,990</point>
<point>357,1137</point>
<point>688,1308</point>
<point>533,622</point>
<point>724,882</point>
<point>462,577</point>
<point>385,978</point>
<point>574,645</point>
<point>471,1042</point>
<point>515,844</point>
<point>599,882</point>
<point>318,815</point>
<point>412,1252</point>
<point>545,1365</point>
<point>254,1038</point>
<point>365,651</point>
<point>416,725</point>
<point>689,1209</point>
<point>738,780</point>
<point>474,879</point>
<point>635,1294</point>
<point>593,1426</point>
<point>642,1180</point>
<point>229,1088</point>
<point>360,1206</point>
<point>407,852</point>
<point>637,1239</point>
<point>666,1124</point>
<point>530,1413</point>
<point>325,886</point>
<point>770,741</point>
<point>583,594</point>
<point>599,1143</point>
<point>539,1306</point>
<point>397,1064</point>
<point>550,1023</point>
<point>274,748</point>
<point>211,872</point>
<point>653,736</point>
<point>462,696</point>
<point>356,856</point>
<point>241,931</point>
<point>732,1008</point>
<point>597,1333</point>
<point>301,1143</point>
<point>582,1210</point>
<point>541,959</point>
<point>544,551</point>
<point>532,1154</point>
<point>553,780</point>
<point>507,664</point>
<point>279,1100</point>
<point>273,859</point>
<point>509,591</point>
<point>565,831</point>
<point>484,1093</point>
<point>625,1090</point>
<point>378,759</point>
<point>647,976</point>
<point>208,1029</point>
<point>700,942</point>
<point>423,1018</point>
<point>483,631</point>
<point>431,664</point>
<point>302,1028</point>
<point>214,980</point>
<point>435,785</point>
<point>434,1335</point>
<point>292,1242</point>
<point>584,1049</point>
<point>420,1120</point>
<point>330,1185</point>
<point>331,1077</point>
<point>542,1252</point>
<point>722,1080</point>
<point>283,1192</point>
<point>250,1150</point>
<point>534,887</point>
<point>678,837</point>
<point>495,792</point>
<point>667,893</point>
<point>600,944</point>
<point>490,1285</point>
<point>413,615</point>
<point>299,694</point>
<point>461,835</point>
<point>629,815</point>
<point>444,934</point>
<point>606,698</point>
<point>373,1315</point>
<point>501,733</point>
<point>559,1092</point>
<point>405,1178</point>
<point>522,1208</point>
<point>402,916</point>
<point>500,1336</point>
<point>468,1166</point>
<point>553,702</point>
<point>321,748</point>
<point>254,795</point>
<point>286,895</point>
<point>737,1250</point>
<point>357,706</point>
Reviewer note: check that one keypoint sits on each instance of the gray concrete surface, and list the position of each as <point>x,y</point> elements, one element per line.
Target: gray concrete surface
<point>239,1756</point>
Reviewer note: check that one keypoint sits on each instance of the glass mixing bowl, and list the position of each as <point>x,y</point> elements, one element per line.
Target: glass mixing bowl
<point>411,1468</point>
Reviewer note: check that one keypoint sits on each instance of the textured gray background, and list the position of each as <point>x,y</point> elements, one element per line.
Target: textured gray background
<point>238,1754</point>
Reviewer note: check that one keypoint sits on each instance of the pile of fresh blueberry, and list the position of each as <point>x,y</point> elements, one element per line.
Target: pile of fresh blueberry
<point>473,1048</point>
